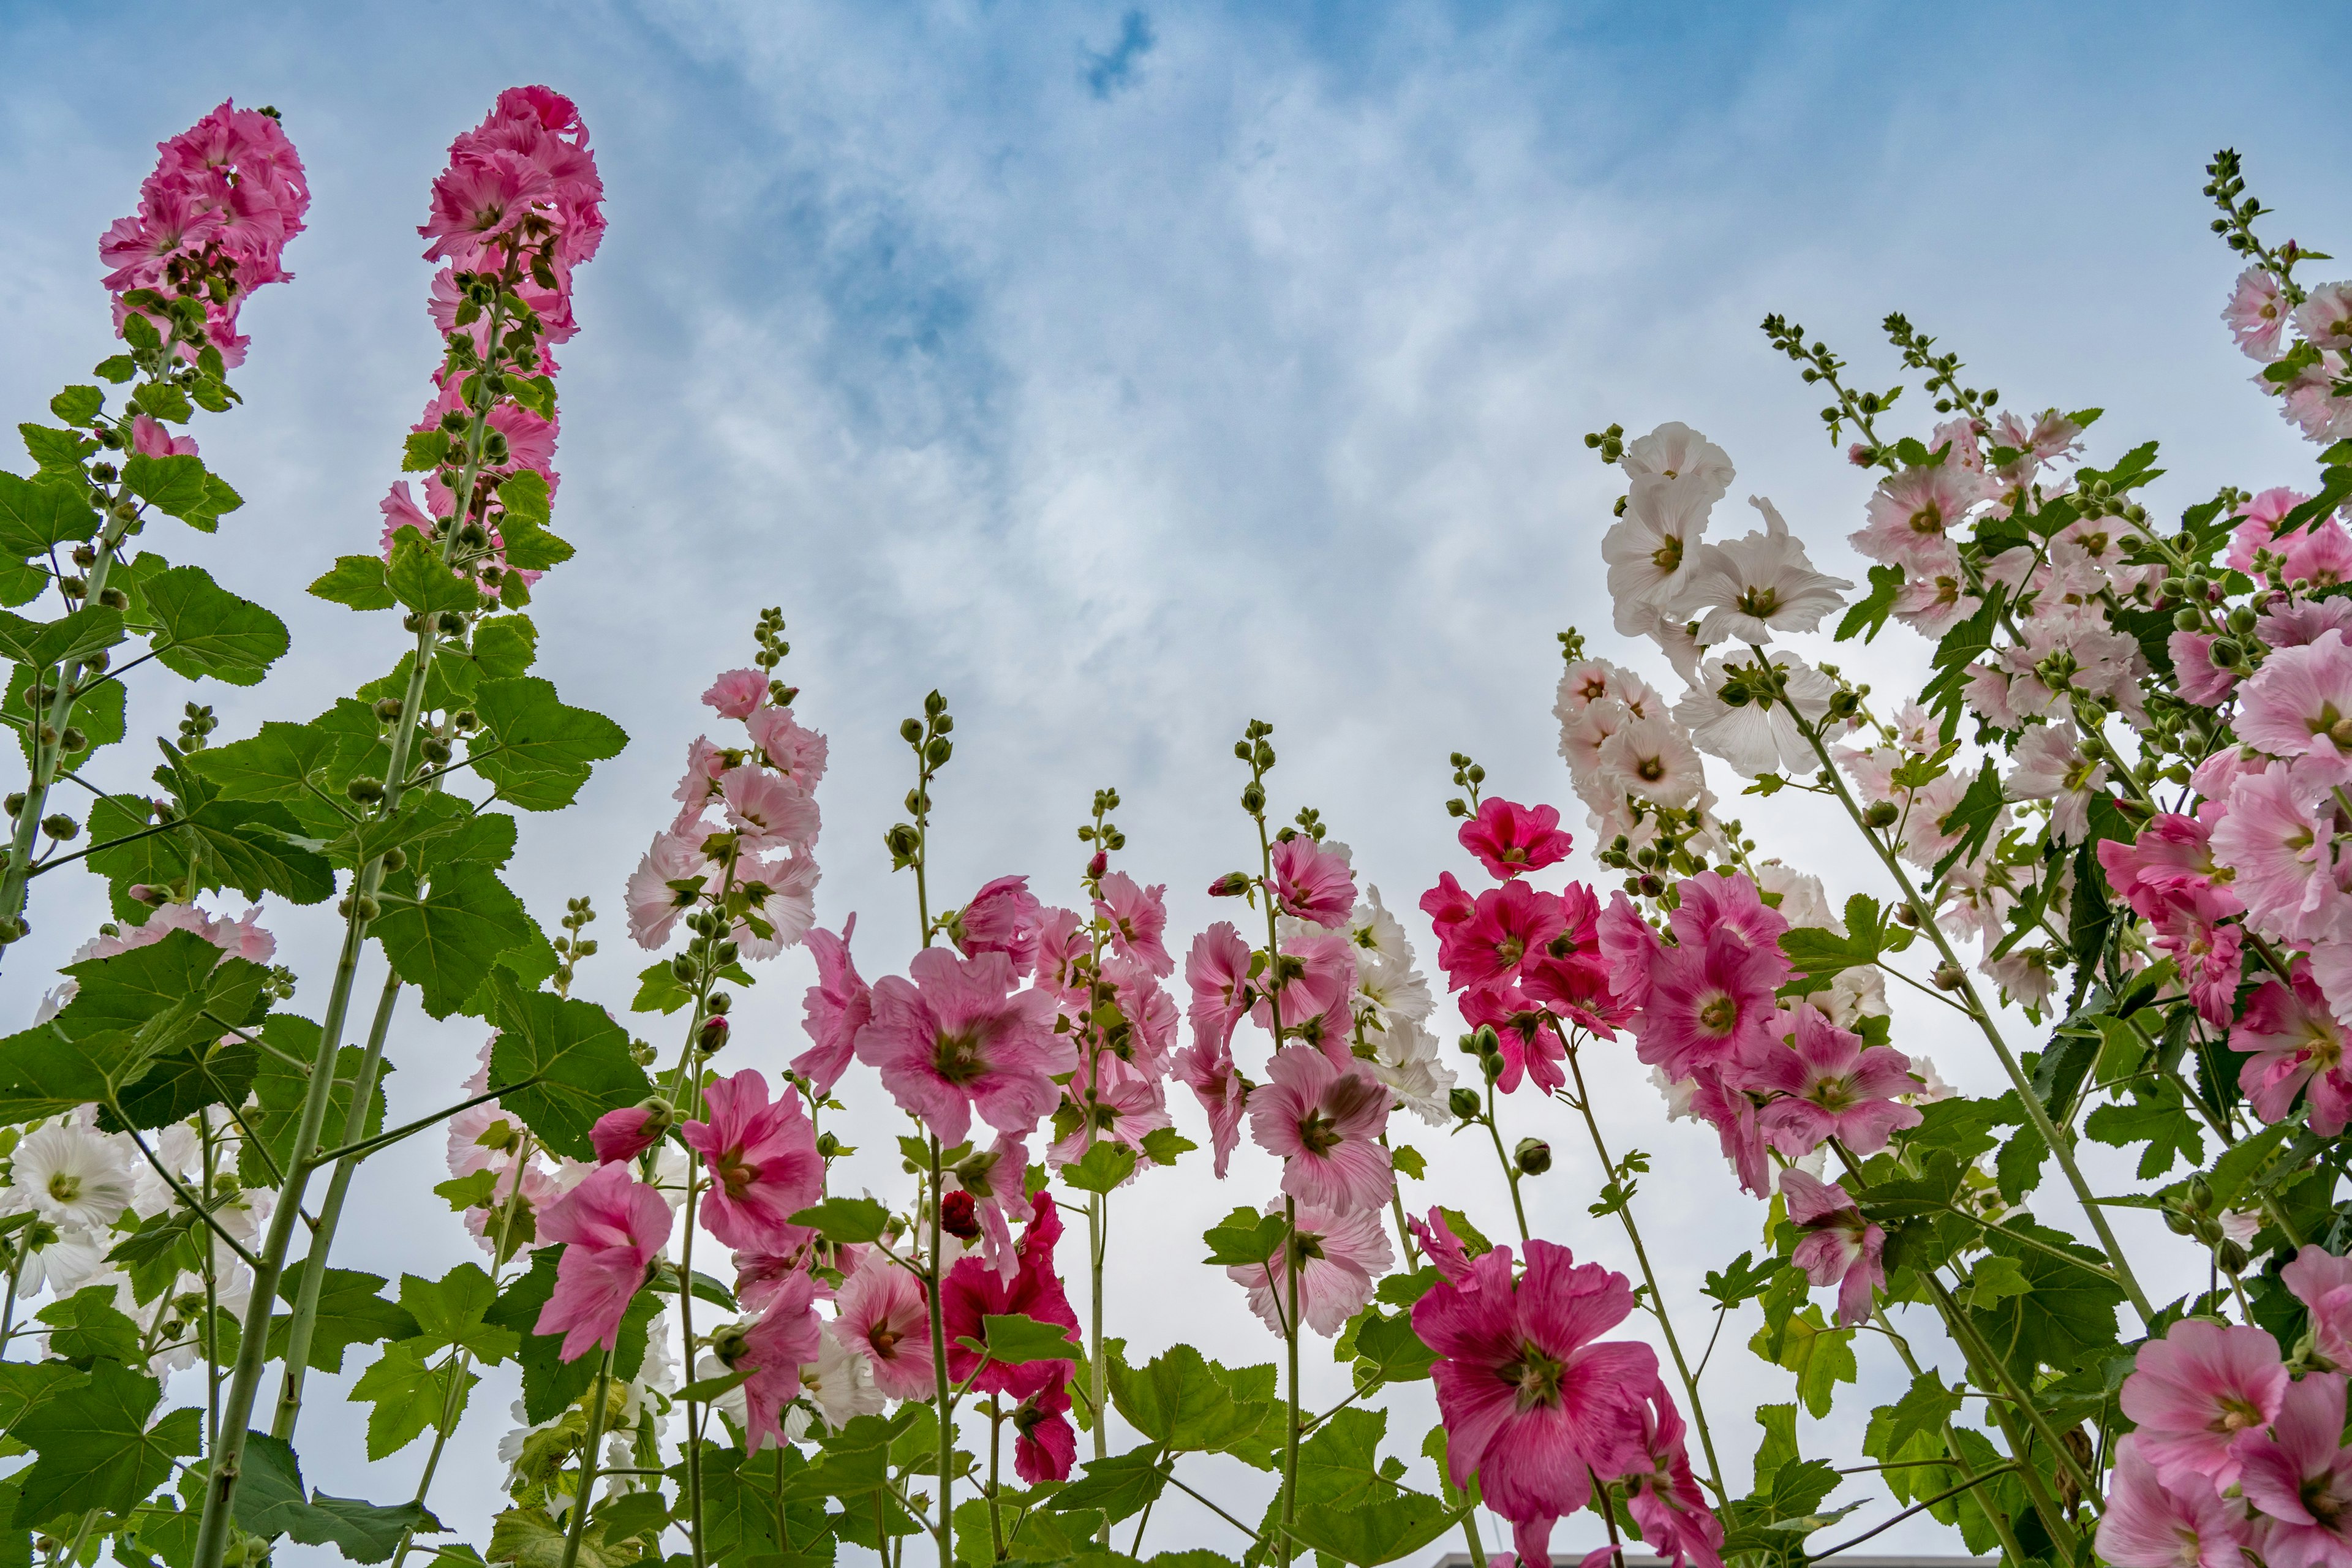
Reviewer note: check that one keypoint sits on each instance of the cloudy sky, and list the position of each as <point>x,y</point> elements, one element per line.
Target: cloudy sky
<point>1127,374</point>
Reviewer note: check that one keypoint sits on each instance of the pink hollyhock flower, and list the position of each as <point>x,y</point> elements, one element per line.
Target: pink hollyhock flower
<point>1217,971</point>
<point>2301,701</point>
<point>1508,838</point>
<point>2257,312</point>
<point>1150,1014</point>
<point>974,1291</point>
<point>1661,1492</point>
<point>2294,1041</point>
<point>625,1134</point>
<point>956,1039</point>
<point>1445,1250</point>
<point>1312,988</point>
<point>781,895</point>
<point>2201,681</point>
<point>833,1010</point>
<point>1509,923</point>
<point>1001,917</point>
<point>1341,1257</point>
<point>793,751</point>
<point>1044,1445</point>
<point>1725,900</point>
<point>2172,852</point>
<point>769,810</point>
<point>2258,531</point>
<point>997,1180</point>
<point>2149,1524</point>
<point>2320,556</point>
<point>1577,989</point>
<point>1447,903</point>
<point>1136,917</point>
<point>1833,1087</point>
<point>1912,513</point>
<point>1063,942</point>
<point>664,884</point>
<point>1127,1107</point>
<point>2294,623</point>
<point>1206,1067</point>
<point>1530,1047</point>
<point>1629,947</point>
<point>149,439</point>
<point>2300,1474</point>
<point>2323,1283</point>
<point>762,1160</point>
<point>2195,1390</point>
<point>2206,952</point>
<point>2276,836</point>
<point>1531,1405</point>
<point>1841,1247</point>
<point>881,1313</point>
<point>785,1338</point>
<point>1708,1003</point>
<point>1313,883</point>
<point>738,693</point>
<point>1325,1122</point>
<point>477,199</point>
<point>611,1226</point>
<point>1725,1106</point>
<point>2054,765</point>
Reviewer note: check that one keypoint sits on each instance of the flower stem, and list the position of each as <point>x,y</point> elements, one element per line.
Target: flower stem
<point>1510,1171</point>
<point>945,1406</point>
<point>1290,1348</point>
<point>577,1525</point>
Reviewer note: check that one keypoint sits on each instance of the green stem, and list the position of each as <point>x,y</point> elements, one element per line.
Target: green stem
<point>2014,1549</point>
<point>577,1525</point>
<point>940,1372</point>
<point>1510,1171</point>
<point>1290,1351</point>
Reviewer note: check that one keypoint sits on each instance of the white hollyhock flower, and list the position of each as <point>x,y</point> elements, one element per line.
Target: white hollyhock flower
<point>1756,736</point>
<point>1677,1092</point>
<point>1804,902</point>
<point>1651,551</point>
<point>1653,759</point>
<point>840,1381</point>
<point>60,1258</point>
<point>1405,1058</point>
<point>1374,929</point>
<point>74,1175</point>
<point>1760,584</point>
<point>1677,456</point>
<point>1399,990</point>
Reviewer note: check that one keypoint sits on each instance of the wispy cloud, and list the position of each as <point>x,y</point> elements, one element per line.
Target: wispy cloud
<point>1110,71</point>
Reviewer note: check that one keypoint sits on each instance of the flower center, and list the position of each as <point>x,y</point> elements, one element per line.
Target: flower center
<point>1928,518</point>
<point>2319,1496</point>
<point>1317,1134</point>
<point>957,1058</point>
<point>1758,602</point>
<point>1510,949</point>
<point>2236,1416</point>
<point>735,1173</point>
<point>1668,556</point>
<point>884,1343</point>
<point>1719,1013</point>
<point>1535,1377</point>
<point>1833,1094</point>
<point>65,1186</point>
<point>1650,769</point>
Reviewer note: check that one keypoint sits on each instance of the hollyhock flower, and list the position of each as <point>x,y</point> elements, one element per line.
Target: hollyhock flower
<point>2301,701</point>
<point>1445,1251</point>
<point>2026,975</point>
<point>974,1291</point>
<point>1312,883</point>
<point>833,1010</point>
<point>1757,736</point>
<point>997,1179</point>
<point>2149,1524</point>
<point>1587,681</point>
<point>1325,1122</point>
<point>956,1039</point>
<point>1139,915</point>
<point>1912,513</point>
<point>1405,1057</point>
<point>1841,1247</point>
<point>625,1134</point>
<point>1045,1444</point>
<point>2300,1474</point>
<point>149,439</point>
<point>1340,1256</point>
<point>1662,1494</point>
<point>2195,1390</point>
<point>781,895</point>
<point>1728,902</point>
<point>1653,759</point>
<point>2277,836</point>
<point>1531,1405</point>
<point>2324,317</point>
<point>2294,1041</point>
<point>1126,1106</point>
<point>2322,1282</point>
<point>1150,1014</point>
<point>2257,312</point>
<point>1508,838</point>
<point>1206,1068</point>
<point>841,1381</point>
<point>2201,681</point>
<point>779,1343</point>
<point>1760,584</point>
<point>1507,925</point>
<point>738,693</point>
<point>762,1161</point>
<point>1675,455</point>
<point>1650,551</point>
<point>611,1226</point>
<point>2172,852</point>
<point>1530,1047</point>
<point>480,198</point>
<point>1579,991</point>
<point>1001,917</point>
<point>1217,971</point>
<point>1834,1088</point>
<point>2294,623</point>
<point>1708,1003</point>
<point>1311,989</point>
<point>2054,765</point>
<point>1630,948</point>
<point>1446,904</point>
<point>1391,988</point>
<point>769,810</point>
<point>2258,528</point>
<point>2208,953</point>
<point>666,884</point>
<point>73,1175</point>
<point>881,1313</point>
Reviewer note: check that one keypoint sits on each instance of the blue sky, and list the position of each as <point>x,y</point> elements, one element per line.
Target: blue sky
<point>1128,372</point>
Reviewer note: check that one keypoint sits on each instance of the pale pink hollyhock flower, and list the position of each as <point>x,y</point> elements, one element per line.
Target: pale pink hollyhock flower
<point>956,1039</point>
<point>2300,1474</point>
<point>833,1010</point>
<point>2293,1042</point>
<point>611,1226</point>
<point>1652,759</point>
<point>483,1137</point>
<point>2324,317</point>
<point>1341,1257</point>
<point>239,938</point>
<point>1508,838</point>
<point>1217,971</point>
<point>782,895</point>
<point>783,1339</point>
<point>527,1191</point>
<point>2256,313</point>
<point>1001,917</point>
<point>664,884</point>
<point>2053,765</point>
<point>2024,974</point>
<point>2301,701</point>
<point>1325,1121</point>
<point>1709,1003</point>
<point>2148,1523</point>
<point>705,761</point>
<point>1129,1105</point>
<point>1841,1247</point>
<point>1530,1404</point>
<point>2201,681</point>
<point>998,1180</point>
<point>2322,1282</point>
<point>1063,940</point>
<point>2172,854</point>
<point>2292,624</point>
<point>2259,528</point>
<point>2320,556</point>
<point>1206,1068</point>
<point>1911,515</point>
<point>1138,916</point>
<point>1759,584</point>
<point>2195,1390</point>
<point>625,1134</point>
<point>798,754</point>
<point>1833,1087</point>
<point>1152,1016</point>
<point>1987,695</point>
<point>149,439</point>
<point>771,810</point>
<point>1313,883</point>
<point>1316,1003</point>
<point>762,1161</point>
<point>2276,836</point>
<point>882,1314</point>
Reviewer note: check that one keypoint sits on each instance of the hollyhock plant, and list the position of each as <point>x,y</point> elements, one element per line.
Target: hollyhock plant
<point>2193,1392</point>
<point>1525,1033</point>
<point>1510,839</point>
<point>975,1291</point>
<point>763,1162</point>
<point>2300,1474</point>
<point>996,1180</point>
<point>1662,1493</point>
<point>1045,1446</point>
<point>1507,924</point>
<point>956,1039</point>
<point>611,1228</point>
<point>1839,1248</point>
<point>1709,1003</point>
<point>1833,1086</point>
<point>1206,1068</point>
<point>1340,1260</point>
<point>1324,1122</point>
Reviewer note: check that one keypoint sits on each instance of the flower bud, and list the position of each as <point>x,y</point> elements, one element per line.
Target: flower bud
<point>1485,1042</point>
<point>1464,1103</point>
<point>958,1217</point>
<point>728,1344</point>
<point>1098,865</point>
<point>395,858</point>
<point>2231,1255</point>
<point>1533,1157</point>
<point>365,789</point>
<point>911,731</point>
<point>1947,976</point>
<point>59,825</point>
<point>1231,885</point>
<point>1491,1066</point>
<point>1880,813</point>
<point>387,708</point>
<point>114,598</point>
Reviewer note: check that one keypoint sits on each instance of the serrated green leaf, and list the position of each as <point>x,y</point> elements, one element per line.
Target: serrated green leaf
<point>78,404</point>
<point>448,941</point>
<point>1103,1167</point>
<point>270,1502</point>
<point>2161,1122</point>
<point>1180,1401</point>
<point>358,581</point>
<point>1388,1351</point>
<point>1163,1144</point>
<point>96,1448</point>
<point>572,1059</point>
<point>452,1311</point>
<point>1015,1338</point>
<point>174,485</point>
<point>352,1311</point>
<point>1121,1486</point>
<point>522,533</point>
<point>534,750</point>
<point>1244,1237</point>
<point>1821,1356</point>
<point>72,637</point>
<point>209,631</point>
<point>279,1088</point>
<point>407,1397</point>
<point>38,515</point>
<point>88,1327</point>
<point>1375,1532</point>
<point>848,1222</point>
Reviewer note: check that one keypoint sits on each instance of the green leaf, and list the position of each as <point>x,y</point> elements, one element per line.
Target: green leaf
<point>358,581</point>
<point>419,580</point>
<point>704,1390</point>
<point>96,1448</point>
<point>270,1502</point>
<point>452,1312</point>
<point>279,1088</point>
<point>38,515</point>
<point>186,1079</point>
<point>1244,1237</point>
<point>422,451</point>
<point>1183,1402</point>
<point>1388,1351</point>
<point>659,990</point>
<point>88,1327</point>
<point>847,1222</point>
<point>573,1059</point>
<point>448,941</point>
<point>1163,1144</point>
<point>550,1384</point>
<point>1015,1338</point>
<point>1973,819</point>
<point>1920,1414</point>
<point>78,404</point>
<point>1375,1532</point>
<point>1994,1278</point>
<point>533,750</point>
<point>1104,1166</point>
<point>1867,616</point>
<point>277,764</point>
<point>505,648</point>
<point>59,453</point>
<point>1821,1356</point>
<point>522,531</point>
<point>174,485</point>
<point>1739,1282</point>
<point>1820,954</point>
<point>1779,1444</point>
<point>72,638</point>
<point>24,1386</point>
<point>408,1396</point>
<point>209,631</point>
<point>352,1311</point>
<point>2161,1121</point>
<point>1121,1486</point>
<point>161,399</point>
<point>2065,1312</point>
<point>2242,1161</point>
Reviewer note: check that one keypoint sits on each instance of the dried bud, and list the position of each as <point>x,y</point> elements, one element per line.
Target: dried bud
<point>1947,976</point>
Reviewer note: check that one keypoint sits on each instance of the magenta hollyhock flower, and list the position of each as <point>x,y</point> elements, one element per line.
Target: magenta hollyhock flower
<point>771,811</point>
<point>1531,1048</point>
<point>880,1312</point>
<point>2301,701</point>
<point>1660,1490</point>
<point>1217,972</point>
<point>1718,1098</point>
<point>1841,1247</point>
<point>1725,900</point>
<point>2149,1524</point>
<point>1045,1444</point>
<point>782,1339</point>
<point>625,1134</point>
<point>2172,854</point>
<point>2207,953</point>
<point>1630,948</point>
<point>611,1226</point>
<point>1445,1250</point>
<point>1509,924</point>
<point>1206,1068</point>
<point>956,1039</point>
<point>1312,883</point>
<point>973,1292</point>
<point>2195,1390</point>
<point>1833,1087</point>
<point>1709,1005</point>
<point>833,1010</point>
<point>1448,903</point>
<point>2300,1474</point>
<point>1341,1257</point>
<point>1508,838</point>
<point>1531,1405</point>
<point>1001,917</point>
<point>1137,917</point>
<point>737,693</point>
<point>2295,1043</point>
<point>1578,989</point>
<point>1325,1121</point>
<point>762,1160</point>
